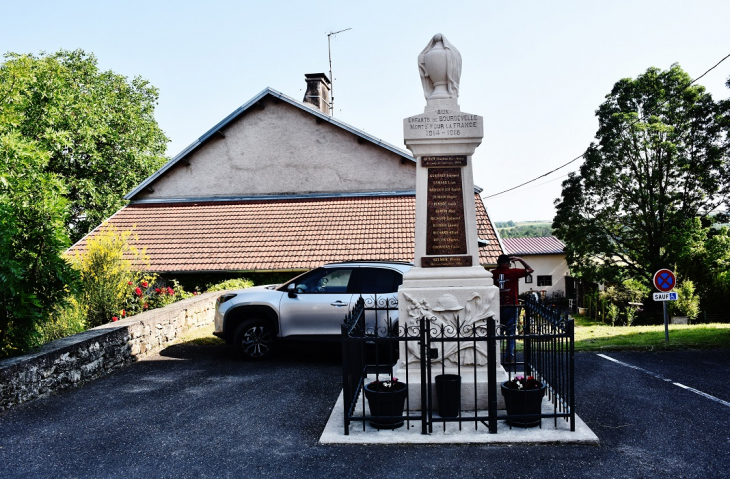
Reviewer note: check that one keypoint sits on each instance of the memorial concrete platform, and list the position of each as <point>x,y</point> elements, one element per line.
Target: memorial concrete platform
<point>410,433</point>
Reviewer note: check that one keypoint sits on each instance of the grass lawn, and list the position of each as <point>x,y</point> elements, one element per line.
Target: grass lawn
<point>594,336</point>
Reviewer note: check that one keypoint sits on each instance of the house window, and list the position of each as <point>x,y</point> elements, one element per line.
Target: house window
<point>545,280</point>
<point>528,278</point>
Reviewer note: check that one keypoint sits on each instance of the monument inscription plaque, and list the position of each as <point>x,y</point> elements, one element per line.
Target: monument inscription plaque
<point>445,261</point>
<point>443,123</point>
<point>445,227</point>
<point>436,161</point>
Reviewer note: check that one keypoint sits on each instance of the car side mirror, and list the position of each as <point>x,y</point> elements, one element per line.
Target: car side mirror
<point>292,289</point>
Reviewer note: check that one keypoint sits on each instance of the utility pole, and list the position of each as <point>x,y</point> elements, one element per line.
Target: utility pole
<point>332,79</point>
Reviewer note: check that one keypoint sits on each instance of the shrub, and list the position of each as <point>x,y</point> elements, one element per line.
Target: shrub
<point>613,313</point>
<point>238,283</point>
<point>66,319</point>
<point>108,278</point>
<point>688,303</point>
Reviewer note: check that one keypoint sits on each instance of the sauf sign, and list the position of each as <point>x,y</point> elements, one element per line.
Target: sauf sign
<point>665,281</point>
<point>665,296</point>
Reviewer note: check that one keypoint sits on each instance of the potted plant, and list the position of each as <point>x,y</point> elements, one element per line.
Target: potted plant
<point>386,400</point>
<point>523,396</point>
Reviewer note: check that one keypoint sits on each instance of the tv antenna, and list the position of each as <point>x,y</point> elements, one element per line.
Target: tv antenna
<point>332,79</point>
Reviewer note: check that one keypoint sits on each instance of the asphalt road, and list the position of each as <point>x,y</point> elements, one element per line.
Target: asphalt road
<point>195,411</point>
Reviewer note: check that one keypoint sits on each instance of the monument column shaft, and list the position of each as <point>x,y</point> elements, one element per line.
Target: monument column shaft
<point>444,137</point>
<point>447,285</point>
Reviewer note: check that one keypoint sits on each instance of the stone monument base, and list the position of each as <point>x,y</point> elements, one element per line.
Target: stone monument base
<point>451,298</point>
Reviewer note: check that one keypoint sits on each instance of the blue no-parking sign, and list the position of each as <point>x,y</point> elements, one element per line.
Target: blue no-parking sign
<point>664,280</point>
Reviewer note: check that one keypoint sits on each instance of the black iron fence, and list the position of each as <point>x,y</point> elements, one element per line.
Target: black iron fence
<point>371,341</point>
<point>377,347</point>
<point>549,355</point>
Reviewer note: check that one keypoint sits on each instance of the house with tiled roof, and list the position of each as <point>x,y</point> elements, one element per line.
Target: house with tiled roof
<point>546,255</point>
<point>280,186</point>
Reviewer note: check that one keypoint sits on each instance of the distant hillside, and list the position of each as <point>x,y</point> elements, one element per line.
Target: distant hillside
<point>524,229</point>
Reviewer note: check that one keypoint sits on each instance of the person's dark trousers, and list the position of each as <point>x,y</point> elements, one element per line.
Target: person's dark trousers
<point>508,318</point>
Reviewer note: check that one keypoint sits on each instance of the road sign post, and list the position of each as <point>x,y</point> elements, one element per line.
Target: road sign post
<point>665,281</point>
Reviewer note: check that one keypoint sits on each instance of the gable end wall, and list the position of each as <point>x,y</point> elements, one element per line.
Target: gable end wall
<point>281,149</point>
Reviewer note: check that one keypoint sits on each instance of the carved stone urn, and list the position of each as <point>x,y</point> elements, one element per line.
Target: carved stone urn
<point>436,65</point>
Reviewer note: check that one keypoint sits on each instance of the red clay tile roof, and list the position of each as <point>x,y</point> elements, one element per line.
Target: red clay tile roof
<point>541,245</point>
<point>265,235</point>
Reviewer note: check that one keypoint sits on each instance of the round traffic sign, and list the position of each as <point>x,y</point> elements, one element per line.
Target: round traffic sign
<point>664,280</point>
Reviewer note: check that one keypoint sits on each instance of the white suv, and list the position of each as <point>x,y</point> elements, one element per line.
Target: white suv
<point>313,305</point>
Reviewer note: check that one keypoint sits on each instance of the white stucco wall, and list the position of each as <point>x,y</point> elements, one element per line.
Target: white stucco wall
<point>549,264</point>
<point>283,150</point>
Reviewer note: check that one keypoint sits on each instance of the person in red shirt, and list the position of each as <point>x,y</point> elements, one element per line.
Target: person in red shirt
<point>508,280</point>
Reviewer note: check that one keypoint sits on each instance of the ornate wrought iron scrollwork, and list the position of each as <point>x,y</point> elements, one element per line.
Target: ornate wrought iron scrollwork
<point>354,321</point>
<point>381,302</point>
<point>500,329</point>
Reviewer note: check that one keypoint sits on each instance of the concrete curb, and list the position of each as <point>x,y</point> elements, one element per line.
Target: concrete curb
<point>547,434</point>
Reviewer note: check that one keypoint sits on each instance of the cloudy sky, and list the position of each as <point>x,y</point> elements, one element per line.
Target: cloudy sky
<point>536,71</point>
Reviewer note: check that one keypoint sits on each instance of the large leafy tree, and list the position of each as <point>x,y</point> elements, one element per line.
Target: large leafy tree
<point>97,128</point>
<point>33,214</point>
<point>652,183</point>
<point>73,140</point>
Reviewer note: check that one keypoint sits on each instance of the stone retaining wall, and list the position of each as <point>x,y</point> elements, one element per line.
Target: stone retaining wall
<point>77,359</point>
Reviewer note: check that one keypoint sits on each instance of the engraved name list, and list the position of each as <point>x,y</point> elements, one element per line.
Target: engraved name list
<point>445,227</point>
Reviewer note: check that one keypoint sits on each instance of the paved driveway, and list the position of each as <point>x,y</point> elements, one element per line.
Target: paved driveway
<point>195,411</point>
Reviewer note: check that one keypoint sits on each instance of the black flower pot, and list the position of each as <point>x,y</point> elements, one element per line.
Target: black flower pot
<point>448,392</point>
<point>523,401</point>
<point>385,404</point>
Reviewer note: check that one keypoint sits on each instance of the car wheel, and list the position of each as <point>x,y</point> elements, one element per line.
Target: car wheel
<point>254,339</point>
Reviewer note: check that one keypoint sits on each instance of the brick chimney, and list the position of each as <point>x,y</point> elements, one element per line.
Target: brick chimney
<point>318,91</point>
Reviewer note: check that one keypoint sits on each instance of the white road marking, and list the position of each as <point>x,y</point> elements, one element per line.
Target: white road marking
<point>713,398</point>
<point>659,376</point>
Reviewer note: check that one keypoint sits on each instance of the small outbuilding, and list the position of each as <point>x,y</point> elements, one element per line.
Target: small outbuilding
<point>546,255</point>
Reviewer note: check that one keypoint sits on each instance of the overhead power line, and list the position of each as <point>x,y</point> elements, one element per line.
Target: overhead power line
<point>582,154</point>
<point>537,177</point>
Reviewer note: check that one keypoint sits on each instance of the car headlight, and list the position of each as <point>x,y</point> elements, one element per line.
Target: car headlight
<point>223,298</point>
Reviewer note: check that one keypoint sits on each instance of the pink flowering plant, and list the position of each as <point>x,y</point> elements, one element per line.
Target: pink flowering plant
<point>151,293</point>
<point>523,383</point>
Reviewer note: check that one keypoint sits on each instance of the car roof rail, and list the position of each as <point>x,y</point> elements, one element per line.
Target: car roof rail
<point>374,261</point>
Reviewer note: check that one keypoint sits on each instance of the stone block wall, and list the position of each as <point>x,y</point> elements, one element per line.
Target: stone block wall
<point>78,359</point>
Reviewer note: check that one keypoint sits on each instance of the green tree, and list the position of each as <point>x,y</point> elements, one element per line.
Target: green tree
<point>660,161</point>
<point>505,224</point>
<point>97,128</point>
<point>526,231</point>
<point>705,258</point>
<point>33,215</point>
